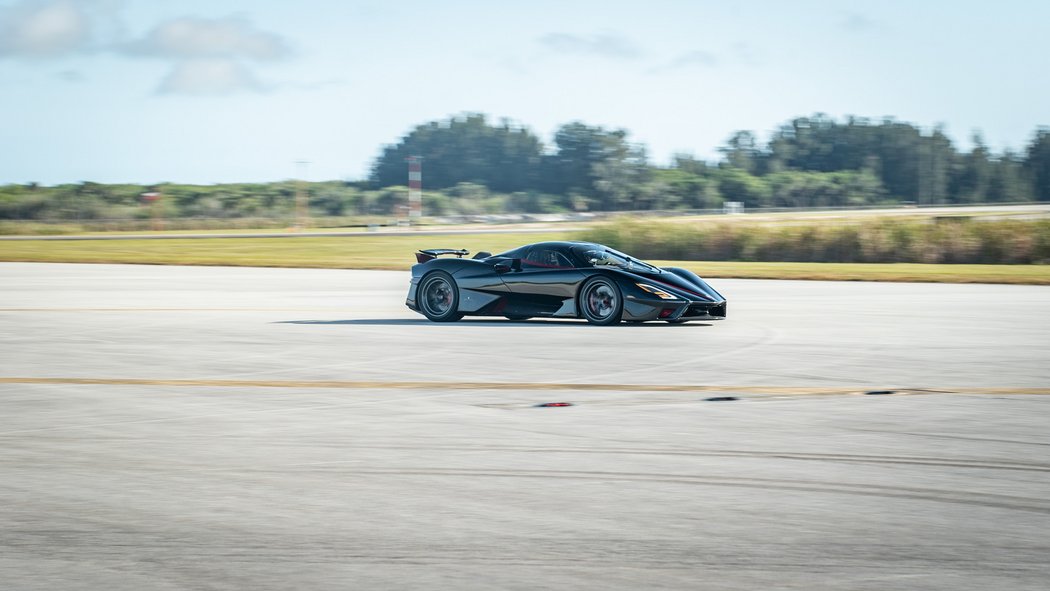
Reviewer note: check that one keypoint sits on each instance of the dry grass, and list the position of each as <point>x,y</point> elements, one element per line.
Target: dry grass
<point>396,252</point>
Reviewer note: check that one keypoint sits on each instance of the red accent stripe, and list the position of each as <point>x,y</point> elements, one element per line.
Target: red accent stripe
<point>532,264</point>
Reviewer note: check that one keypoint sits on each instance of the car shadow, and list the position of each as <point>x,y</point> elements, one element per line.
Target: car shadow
<point>476,322</point>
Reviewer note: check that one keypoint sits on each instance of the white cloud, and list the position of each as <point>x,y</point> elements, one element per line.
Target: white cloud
<point>856,22</point>
<point>212,76</point>
<point>748,54</point>
<point>694,58</point>
<point>205,55</point>
<point>209,55</point>
<point>70,76</point>
<point>605,45</point>
<point>44,29</point>
<point>740,54</point>
<point>192,38</point>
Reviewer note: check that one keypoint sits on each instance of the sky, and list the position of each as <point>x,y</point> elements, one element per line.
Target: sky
<point>216,91</point>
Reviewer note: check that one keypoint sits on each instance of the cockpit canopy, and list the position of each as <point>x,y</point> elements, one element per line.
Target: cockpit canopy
<point>569,255</point>
<point>599,256</point>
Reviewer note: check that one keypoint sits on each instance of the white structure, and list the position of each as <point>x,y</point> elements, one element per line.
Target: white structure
<point>415,186</point>
<point>731,207</point>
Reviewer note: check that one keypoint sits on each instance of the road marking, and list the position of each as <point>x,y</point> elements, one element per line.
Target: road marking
<point>170,310</point>
<point>439,385</point>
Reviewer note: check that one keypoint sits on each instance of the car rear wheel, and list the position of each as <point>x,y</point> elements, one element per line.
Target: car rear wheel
<point>601,302</point>
<point>439,297</point>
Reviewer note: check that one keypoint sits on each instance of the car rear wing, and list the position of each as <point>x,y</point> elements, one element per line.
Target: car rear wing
<point>428,255</point>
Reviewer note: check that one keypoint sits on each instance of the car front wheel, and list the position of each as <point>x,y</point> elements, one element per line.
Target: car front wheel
<point>601,302</point>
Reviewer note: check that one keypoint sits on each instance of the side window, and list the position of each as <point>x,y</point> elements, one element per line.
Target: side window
<point>543,258</point>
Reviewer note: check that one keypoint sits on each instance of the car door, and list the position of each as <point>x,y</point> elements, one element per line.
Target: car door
<point>546,282</point>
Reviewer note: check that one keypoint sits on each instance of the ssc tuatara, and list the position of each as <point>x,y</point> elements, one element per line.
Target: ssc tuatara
<point>558,280</point>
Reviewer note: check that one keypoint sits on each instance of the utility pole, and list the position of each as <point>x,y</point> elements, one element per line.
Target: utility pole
<point>154,199</point>
<point>302,211</point>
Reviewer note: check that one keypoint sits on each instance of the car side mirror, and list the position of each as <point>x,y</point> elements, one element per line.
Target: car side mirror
<point>506,266</point>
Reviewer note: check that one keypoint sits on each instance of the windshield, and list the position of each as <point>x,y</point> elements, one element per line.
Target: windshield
<point>601,257</point>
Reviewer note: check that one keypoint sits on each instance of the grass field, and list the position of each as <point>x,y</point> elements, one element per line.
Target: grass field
<point>356,252</point>
<point>396,252</point>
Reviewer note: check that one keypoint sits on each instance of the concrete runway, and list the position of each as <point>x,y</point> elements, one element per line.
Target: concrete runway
<point>222,428</point>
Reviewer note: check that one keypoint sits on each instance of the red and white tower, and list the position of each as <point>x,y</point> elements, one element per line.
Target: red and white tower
<point>415,186</point>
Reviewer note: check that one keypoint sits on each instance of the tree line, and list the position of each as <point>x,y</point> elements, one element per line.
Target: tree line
<point>807,162</point>
<point>472,165</point>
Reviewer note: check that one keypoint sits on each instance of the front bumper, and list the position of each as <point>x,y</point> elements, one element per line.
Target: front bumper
<point>643,309</point>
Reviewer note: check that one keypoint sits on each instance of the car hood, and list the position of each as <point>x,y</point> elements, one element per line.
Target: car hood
<point>682,282</point>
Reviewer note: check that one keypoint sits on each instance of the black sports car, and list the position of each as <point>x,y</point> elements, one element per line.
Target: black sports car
<point>558,280</point>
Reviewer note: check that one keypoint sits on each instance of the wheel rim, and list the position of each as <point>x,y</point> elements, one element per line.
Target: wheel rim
<point>601,301</point>
<point>437,296</point>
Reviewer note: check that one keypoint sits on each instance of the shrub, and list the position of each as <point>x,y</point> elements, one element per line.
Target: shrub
<point>953,240</point>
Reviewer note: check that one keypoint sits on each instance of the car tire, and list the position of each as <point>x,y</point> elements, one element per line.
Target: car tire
<point>601,302</point>
<point>438,297</point>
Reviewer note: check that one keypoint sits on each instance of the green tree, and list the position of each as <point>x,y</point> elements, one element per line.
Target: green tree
<point>464,150</point>
<point>741,151</point>
<point>586,155</point>
<point>621,181</point>
<point>1006,183</point>
<point>1037,164</point>
<point>735,184</point>
<point>687,189</point>
<point>970,175</point>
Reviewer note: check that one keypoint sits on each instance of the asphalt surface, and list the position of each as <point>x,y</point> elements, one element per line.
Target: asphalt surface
<point>218,428</point>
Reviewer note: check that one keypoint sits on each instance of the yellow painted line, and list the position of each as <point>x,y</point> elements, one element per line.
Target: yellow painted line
<point>437,385</point>
<point>170,310</point>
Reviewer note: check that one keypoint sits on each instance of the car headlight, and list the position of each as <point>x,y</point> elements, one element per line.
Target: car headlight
<point>656,291</point>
